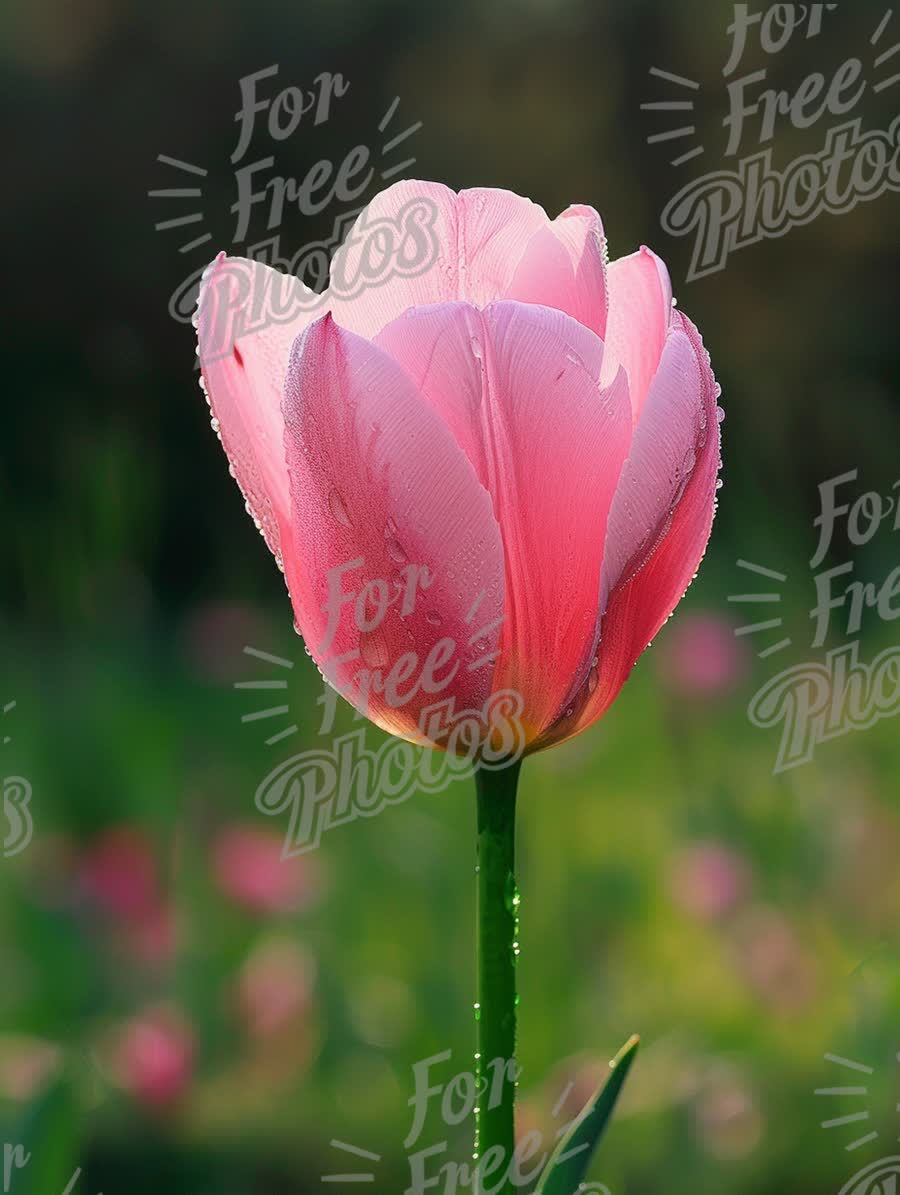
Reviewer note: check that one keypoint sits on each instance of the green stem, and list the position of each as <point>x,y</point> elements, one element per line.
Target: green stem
<point>495,1012</point>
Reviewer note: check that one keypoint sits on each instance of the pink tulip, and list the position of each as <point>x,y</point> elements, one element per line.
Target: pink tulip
<point>535,429</point>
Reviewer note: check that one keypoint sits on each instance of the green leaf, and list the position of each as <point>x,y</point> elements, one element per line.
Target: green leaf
<point>571,1158</point>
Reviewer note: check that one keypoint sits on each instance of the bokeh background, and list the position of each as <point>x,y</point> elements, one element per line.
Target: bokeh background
<point>177,1007</point>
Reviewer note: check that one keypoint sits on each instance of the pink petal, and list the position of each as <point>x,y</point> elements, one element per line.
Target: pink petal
<point>376,478</point>
<point>518,387</point>
<point>640,313</point>
<point>469,245</point>
<point>247,320</point>
<point>469,242</point>
<point>564,266</point>
<point>661,516</point>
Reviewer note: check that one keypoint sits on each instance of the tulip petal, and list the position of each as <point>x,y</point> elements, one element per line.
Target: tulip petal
<point>247,320</point>
<point>518,387</point>
<point>450,247</point>
<point>480,245</point>
<point>564,266</point>
<point>661,517</point>
<point>378,484</point>
<point>640,313</point>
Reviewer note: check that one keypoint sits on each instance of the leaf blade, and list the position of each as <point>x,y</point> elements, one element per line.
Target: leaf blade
<point>572,1157</point>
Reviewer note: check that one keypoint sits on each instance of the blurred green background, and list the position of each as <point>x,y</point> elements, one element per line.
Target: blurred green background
<point>176,1007</point>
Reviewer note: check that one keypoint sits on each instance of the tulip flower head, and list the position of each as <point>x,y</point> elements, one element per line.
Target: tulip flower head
<point>493,475</point>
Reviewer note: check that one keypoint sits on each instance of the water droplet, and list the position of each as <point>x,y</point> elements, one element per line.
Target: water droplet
<point>396,552</point>
<point>477,350</point>
<point>720,414</point>
<point>593,678</point>
<point>373,648</point>
<point>337,508</point>
<point>434,618</point>
<point>719,483</point>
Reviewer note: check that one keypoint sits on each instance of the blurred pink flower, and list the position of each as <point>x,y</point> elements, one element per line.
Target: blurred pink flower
<point>274,988</point>
<point>250,870</point>
<point>726,1115</point>
<point>773,961</point>
<point>152,938</point>
<point>119,876</point>
<point>700,657</point>
<point>118,873</point>
<point>26,1063</point>
<point>154,1056</point>
<point>708,879</point>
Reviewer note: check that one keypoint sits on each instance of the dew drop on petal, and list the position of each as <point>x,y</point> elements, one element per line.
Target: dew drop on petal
<point>373,648</point>
<point>337,507</point>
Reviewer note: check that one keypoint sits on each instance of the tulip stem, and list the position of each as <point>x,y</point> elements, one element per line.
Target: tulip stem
<point>495,1012</point>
